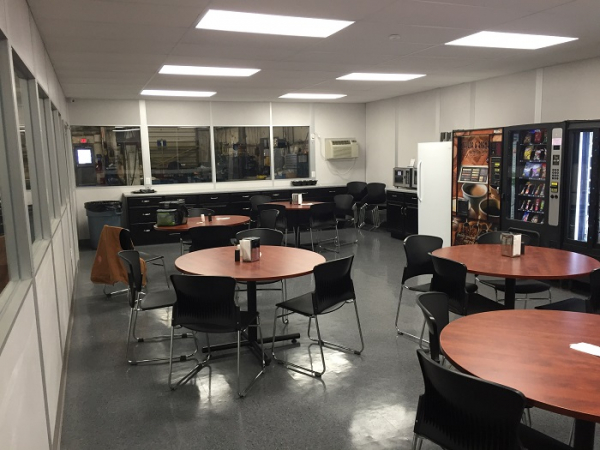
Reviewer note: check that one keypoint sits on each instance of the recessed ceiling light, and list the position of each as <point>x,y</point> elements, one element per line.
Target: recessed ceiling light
<point>313,96</point>
<point>177,93</point>
<point>381,76</point>
<point>207,71</point>
<point>270,24</point>
<point>510,40</point>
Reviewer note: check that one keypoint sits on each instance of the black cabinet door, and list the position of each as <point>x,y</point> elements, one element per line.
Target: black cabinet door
<point>395,218</point>
<point>411,219</point>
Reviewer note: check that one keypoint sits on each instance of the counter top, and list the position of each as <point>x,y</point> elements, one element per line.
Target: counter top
<point>227,191</point>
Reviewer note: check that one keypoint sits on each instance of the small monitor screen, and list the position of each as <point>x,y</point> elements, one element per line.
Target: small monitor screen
<point>84,156</point>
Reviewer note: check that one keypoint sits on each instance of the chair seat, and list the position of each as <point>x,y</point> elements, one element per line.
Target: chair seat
<point>158,299</point>
<point>246,319</point>
<point>420,287</point>
<point>570,304</point>
<point>476,304</point>
<point>301,305</point>
<point>521,286</point>
<point>535,440</point>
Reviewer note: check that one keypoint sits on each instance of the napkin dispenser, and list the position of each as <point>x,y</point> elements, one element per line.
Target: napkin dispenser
<point>250,249</point>
<point>296,199</point>
<point>510,244</point>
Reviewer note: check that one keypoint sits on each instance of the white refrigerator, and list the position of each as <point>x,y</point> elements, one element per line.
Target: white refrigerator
<point>434,189</point>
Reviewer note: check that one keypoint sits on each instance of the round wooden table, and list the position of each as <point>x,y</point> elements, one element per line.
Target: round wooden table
<point>528,350</point>
<point>217,221</point>
<point>276,263</point>
<point>296,215</point>
<point>538,262</point>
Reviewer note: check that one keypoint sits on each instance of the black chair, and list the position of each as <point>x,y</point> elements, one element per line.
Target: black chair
<point>461,412</point>
<point>155,260</point>
<point>589,305</point>
<point>281,224</point>
<point>206,304</point>
<point>184,239</point>
<point>322,217</point>
<point>450,277</point>
<point>267,218</point>
<point>256,200</point>
<point>144,301</point>
<point>357,189</point>
<point>211,237</point>
<point>333,289</point>
<point>434,306</point>
<point>345,213</point>
<point>418,262</point>
<point>523,287</point>
<point>372,203</point>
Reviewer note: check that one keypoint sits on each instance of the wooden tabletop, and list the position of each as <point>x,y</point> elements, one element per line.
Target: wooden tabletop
<point>529,350</point>
<point>294,207</point>
<point>537,262</point>
<point>275,263</point>
<point>217,221</point>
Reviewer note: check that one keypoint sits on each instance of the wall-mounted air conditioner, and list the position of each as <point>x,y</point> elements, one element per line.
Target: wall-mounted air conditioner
<point>341,148</point>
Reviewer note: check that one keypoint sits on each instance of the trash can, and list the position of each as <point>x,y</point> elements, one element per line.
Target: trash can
<point>99,214</point>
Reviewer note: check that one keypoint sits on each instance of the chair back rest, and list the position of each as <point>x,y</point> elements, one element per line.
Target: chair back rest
<point>125,239</point>
<point>417,248</point>
<point>594,301</point>
<point>211,237</point>
<point>322,215</point>
<point>375,193</point>
<point>529,237</point>
<point>131,261</point>
<point>206,302</point>
<point>197,212</point>
<point>450,277</point>
<point>256,200</point>
<point>281,218</point>
<point>267,218</point>
<point>267,236</point>
<point>491,237</point>
<point>333,284</point>
<point>357,189</point>
<point>461,412</point>
<point>343,205</point>
<point>435,308</point>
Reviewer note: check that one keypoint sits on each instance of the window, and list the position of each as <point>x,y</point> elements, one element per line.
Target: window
<point>180,154</point>
<point>291,152</point>
<point>242,153</point>
<point>116,155</point>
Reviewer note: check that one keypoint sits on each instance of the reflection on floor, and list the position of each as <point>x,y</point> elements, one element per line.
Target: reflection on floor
<point>362,402</point>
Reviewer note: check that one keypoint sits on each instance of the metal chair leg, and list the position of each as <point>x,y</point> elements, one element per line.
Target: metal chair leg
<point>404,333</point>
<point>117,292</point>
<point>338,346</point>
<point>192,372</point>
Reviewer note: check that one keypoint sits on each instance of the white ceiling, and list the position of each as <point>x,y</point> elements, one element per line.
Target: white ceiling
<point>112,49</point>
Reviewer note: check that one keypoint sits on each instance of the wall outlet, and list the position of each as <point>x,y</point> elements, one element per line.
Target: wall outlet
<point>312,136</point>
<point>313,174</point>
<point>148,181</point>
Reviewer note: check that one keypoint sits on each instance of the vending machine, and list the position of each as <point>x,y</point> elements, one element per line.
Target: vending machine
<point>581,201</point>
<point>476,183</point>
<point>533,180</point>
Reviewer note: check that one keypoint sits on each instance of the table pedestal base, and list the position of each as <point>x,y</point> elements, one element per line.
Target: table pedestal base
<point>584,435</point>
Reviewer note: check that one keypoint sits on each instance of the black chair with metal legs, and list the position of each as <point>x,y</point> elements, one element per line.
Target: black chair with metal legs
<point>345,213</point>
<point>434,306</point>
<point>142,301</point>
<point>418,262</point>
<point>267,218</point>
<point>206,304</point>
<point>357,189</point>
<point>322,217</point>
<point>155,260</point>
<point>590,305</point>
<point>373,203</point>
<point>333,289</point>
<point>522,287</point>
<point>211,237</point>
<point>461,412</point>
<point>184,239</point>
<point>281,223</point>
<point>256,200</point>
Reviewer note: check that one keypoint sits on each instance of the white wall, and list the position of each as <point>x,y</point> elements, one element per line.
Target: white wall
<point>35,313</point>
<point>325,121</point>
<point>381,158</point>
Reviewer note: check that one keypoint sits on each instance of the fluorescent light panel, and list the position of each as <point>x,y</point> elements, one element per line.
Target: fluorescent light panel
<point>207,71</point>
<point>381,76</point>
<point>177,93</point>
<point>241,22</point>
<point>510,40</point>
<point>312,96</point>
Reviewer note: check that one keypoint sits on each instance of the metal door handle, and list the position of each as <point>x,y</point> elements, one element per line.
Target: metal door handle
<point>419,196</point>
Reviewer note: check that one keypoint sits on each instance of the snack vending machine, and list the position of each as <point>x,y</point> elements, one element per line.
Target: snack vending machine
<point>476,183</point>
<point>533,180</point>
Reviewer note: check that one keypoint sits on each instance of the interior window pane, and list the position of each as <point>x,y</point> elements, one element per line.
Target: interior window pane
<point>291,152</point>
<point>3,260</point>
<point>180,154</point>
<point>27,154</point>
<point>242,153</point>
<point>581,169</point>
<point>107,156</point>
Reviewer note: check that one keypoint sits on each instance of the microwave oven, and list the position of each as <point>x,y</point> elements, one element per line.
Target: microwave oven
<point>405,177</point>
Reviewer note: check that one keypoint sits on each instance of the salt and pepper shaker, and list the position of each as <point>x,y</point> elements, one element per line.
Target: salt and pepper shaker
<point>237,253</point>
<point>210,217</point>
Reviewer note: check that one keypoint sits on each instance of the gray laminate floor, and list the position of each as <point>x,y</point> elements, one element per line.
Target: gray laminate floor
<point>362,402</point>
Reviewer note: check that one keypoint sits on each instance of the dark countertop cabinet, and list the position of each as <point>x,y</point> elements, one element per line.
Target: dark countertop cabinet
<point>402,213</point>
